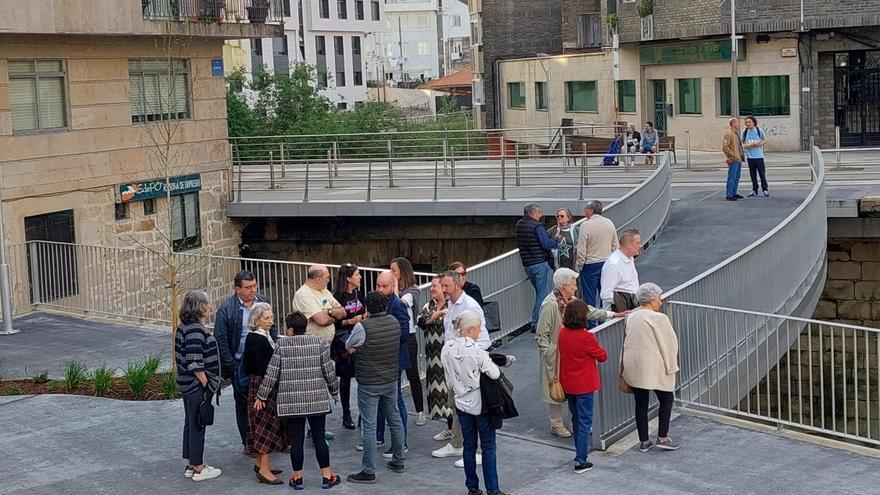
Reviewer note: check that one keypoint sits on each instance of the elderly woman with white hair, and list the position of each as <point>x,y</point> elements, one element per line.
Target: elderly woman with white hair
<point>547,334</point>
<point>649,362</point>
<point>266,433</point>
<point>463,363</point>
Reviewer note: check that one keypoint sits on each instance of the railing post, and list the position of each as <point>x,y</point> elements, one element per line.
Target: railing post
<point>445,153</point>
<point>452,164</point>
<point>369,179</point>
<point>564,149</point>
<point>390,171</point>
<point>687,143</point>
<point>36,276</point>
<point>583,177</point>
<point>812,163</point>
<point>503,185</point>
<point>336,157</point>
<point>436,171</point>
<point>239,182</point>
<point>837,143</point>
<point>283,165</point>
<point>306,191</point>
<point>271,170</point>
<point>330,169</point>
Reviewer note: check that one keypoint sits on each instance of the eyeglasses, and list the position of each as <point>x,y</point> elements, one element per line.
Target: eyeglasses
<point>561,216</point>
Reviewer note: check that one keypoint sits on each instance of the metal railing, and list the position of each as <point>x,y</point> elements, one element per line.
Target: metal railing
<point>816,376</point>
<point>751,280</point>
<point>229,11</point>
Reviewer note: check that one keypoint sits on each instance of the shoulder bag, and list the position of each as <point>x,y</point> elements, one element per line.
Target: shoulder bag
<point>621,383</point>
<point>557,393</point>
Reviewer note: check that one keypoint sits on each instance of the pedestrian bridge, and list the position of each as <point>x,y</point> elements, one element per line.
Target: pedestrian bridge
<point>741,281</point>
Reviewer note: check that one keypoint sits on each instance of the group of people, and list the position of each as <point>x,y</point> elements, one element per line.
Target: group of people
<point>283,383</point>
<point>647,141</point>
<point>592,260</point>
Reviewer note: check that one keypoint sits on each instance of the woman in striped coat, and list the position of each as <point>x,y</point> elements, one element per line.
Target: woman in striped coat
<point>306,378</point>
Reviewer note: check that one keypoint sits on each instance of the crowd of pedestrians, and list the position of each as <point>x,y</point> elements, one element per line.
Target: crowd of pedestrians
<point>285,386</point>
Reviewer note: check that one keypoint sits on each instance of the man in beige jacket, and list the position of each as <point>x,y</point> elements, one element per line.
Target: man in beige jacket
<point>597,239</point>
<point>733,157</point>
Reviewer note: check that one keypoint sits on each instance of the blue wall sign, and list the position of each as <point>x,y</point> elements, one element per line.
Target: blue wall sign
<point>155,188</point>
<point>217,67</point>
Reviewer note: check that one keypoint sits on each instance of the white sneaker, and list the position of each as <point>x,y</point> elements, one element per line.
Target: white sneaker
<point>460,463</point>
<point>447,451</point>
<point>421,420</point>
<point>208,473</point>
<point>188,472</point>
<point>443,436</point>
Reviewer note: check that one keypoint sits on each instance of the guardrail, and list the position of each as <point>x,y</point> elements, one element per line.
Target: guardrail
<point>227,11</point>
<point>750,280</point>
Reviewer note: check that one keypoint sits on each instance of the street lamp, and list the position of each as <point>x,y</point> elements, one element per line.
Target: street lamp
<point>734,81</point>
<point>541,57</point>
<point>5,285</point>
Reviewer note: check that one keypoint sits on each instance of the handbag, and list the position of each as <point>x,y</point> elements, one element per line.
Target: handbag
<point>557,393</point>
<point>206,409</point>
<point>621,383</point>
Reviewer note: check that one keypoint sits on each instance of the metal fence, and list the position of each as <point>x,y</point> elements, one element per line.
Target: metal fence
<point>816,376</point>
<point>233,11</point>
<point>751,280</point>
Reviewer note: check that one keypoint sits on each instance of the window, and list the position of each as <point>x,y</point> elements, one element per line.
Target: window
<point>589,31</point>
<point>321,61</point>
<point>422,21</point>
<point>580,96</point>
<point>476,30</point>
<point>286,7</point>
<point>149,206</point>
<point>758,96</point>
<point>342,9</point>
<point>356,45</point>
<point>324,9</point>
<point>689,96</point>
<point>121,211</point>
<point>342,105</point>
<point>423,48</point>
<point>516,95</point>
<point>374,9</point>
<point>359,10</point>
<point>37,92</point>
<point>320,47</point>
<point>159,90</point>
<point>358,78</point>
<point>338,46</point>
<point>340,79</point>
<point>281,61</point>
<point>456,21</point>
<point>185,224</point>
<point>626,96</point>
<point>541,95</point>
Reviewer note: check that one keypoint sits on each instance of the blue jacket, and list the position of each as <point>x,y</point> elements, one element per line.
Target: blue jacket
<point>227,331</point>
<point>397,309</point>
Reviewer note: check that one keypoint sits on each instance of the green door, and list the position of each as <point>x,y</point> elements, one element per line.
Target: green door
<point>659,87</point>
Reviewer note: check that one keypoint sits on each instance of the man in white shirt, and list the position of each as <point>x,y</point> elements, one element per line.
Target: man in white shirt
<point>620,281</point>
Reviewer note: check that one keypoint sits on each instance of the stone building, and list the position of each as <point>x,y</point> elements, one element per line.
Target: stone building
<point>804,72</point>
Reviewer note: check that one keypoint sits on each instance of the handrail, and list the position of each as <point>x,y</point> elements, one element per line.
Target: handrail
<point>437,131</point>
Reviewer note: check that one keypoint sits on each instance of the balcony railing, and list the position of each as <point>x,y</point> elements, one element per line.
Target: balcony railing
<point>231,11</point>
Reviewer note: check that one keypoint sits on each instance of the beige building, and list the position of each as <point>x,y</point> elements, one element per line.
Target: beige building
<point>681,86</point>
<point>100,100</point>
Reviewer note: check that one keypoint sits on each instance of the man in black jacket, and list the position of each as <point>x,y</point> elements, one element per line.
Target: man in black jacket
<point>536,254</point>
<point>230,331</point>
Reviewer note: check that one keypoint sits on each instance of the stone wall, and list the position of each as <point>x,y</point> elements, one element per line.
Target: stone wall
<point>852,291</point>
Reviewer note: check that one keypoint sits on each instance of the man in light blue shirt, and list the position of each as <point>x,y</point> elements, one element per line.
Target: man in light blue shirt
<point>753,143</point>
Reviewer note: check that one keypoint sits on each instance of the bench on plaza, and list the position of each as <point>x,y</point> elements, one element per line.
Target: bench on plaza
<point>667,143</point>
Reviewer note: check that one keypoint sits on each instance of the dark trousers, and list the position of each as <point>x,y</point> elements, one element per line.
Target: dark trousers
<point>297,429</point>
<point>240,394</point>
<point>756,168</point>
<point>642,397</point>
<point>591,284</point>
<point>193,434</point>
<point>412,374</point>
<point>345,394</point>
<point>472,429</point>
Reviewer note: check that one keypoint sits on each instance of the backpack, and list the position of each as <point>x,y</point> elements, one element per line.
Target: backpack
<point>760,134</point>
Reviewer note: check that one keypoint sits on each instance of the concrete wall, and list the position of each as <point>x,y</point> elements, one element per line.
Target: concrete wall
<point>81,168</point>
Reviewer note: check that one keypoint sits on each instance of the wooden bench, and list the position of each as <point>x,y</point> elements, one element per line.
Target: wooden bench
<point>667,143</point>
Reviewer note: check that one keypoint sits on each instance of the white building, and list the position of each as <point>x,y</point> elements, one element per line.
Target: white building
<point>423,39</point>
<point>331,35</point>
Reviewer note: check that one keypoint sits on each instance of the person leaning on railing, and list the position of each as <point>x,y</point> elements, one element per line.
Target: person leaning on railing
<point>649,362</point>
<point>198,378</point>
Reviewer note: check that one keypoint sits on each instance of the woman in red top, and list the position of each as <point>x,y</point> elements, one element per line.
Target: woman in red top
<point>578,352</point>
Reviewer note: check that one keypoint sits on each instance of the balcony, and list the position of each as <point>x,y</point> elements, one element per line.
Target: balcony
<point>213,11</point>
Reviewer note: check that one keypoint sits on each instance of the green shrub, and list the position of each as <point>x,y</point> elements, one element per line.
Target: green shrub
<point>169,386</point>
<point>75,373</point>
<point>102,379</point>
<point>13,389</point>
<point>2,370</point>
<point>51,385</point>
<point>151,363</point>
<point>41,377</point>
<point>137,376</point>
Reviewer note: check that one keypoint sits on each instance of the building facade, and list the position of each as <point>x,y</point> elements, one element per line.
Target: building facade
<point>334,36</point>
<point>806,74</point>
<point>103,105</point>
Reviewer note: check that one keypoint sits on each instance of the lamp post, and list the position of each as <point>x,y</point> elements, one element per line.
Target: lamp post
<point>541,57</point>
<point>734,81</point>
<point>5,288</point>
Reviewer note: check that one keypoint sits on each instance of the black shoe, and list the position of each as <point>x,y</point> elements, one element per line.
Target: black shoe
<point>397,468</point>
<point>737,196</point>
<point>267,481</point>
<point>362,477</point>
<point>274,471</point>
<point>475,492</point>
<point>583,468</point>
<point>328,483</point>
<point>347,423</point>
<point>730,198</point>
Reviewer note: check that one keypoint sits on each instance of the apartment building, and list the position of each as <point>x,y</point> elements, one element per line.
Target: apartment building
<point>423,39</point>
<point>101,101</point>
<point>807,70</point>
<point>334,36</point>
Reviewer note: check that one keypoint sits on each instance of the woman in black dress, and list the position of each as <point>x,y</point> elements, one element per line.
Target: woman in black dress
<point>431,322</point>
<point>267,433</point>
<point>345,290</point>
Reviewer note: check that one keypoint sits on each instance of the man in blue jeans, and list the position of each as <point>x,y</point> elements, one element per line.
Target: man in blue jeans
<point>386,284</point>
<point>376,343</point>
<point>597,239</point>
<point>733,157</point>
<point>536,254</point>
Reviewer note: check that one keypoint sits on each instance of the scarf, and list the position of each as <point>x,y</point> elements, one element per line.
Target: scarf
<point>264,333</point>
<point>561,303</point>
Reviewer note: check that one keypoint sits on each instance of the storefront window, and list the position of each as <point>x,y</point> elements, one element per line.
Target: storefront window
<point>762,95</point>
<point>689,96</point>
<point>626,96</point>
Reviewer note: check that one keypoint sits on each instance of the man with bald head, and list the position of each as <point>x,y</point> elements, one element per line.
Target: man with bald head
<point>317,304</point>
<point>386,283</point>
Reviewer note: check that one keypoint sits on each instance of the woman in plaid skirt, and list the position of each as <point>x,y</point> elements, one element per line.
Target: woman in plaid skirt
<point>267,433</point>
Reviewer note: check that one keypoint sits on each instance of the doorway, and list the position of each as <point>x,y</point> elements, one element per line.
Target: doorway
<point>658,89</point>
<point>55,266</point>
<point>857,97</point>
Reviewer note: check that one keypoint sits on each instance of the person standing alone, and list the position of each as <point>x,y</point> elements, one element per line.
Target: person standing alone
<point>753,142</point>
<point>733,157</point>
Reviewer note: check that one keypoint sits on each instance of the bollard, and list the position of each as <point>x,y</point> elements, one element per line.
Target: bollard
<point>306,191</point>
<point>687,143</point>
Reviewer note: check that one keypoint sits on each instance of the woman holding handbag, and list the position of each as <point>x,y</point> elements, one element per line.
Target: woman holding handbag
<point>198,378</point>
<point>547,335</point>
<point>649,362</point>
